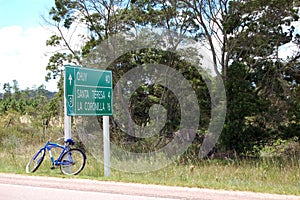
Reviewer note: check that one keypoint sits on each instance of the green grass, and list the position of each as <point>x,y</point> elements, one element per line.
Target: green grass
<point>278,176</point>
<point>258,176</point>
<point>270,175</point>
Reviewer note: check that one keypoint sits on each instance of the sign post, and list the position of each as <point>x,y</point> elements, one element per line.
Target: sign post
<point>67,120</point>
<point>106,146</point>
<point>88,92</point>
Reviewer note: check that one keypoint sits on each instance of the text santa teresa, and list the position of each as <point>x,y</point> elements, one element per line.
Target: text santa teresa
<point>93,94</point>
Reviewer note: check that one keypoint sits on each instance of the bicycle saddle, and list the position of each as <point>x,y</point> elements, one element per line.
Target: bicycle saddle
<point>70,141</point>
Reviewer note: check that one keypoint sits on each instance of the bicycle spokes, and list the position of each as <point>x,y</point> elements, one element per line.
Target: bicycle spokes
<point>73,162</point>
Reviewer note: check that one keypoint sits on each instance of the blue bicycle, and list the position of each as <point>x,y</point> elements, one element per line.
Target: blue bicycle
<point>71,161</point>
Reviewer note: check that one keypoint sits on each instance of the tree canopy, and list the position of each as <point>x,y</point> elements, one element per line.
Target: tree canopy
<point>246,39</point>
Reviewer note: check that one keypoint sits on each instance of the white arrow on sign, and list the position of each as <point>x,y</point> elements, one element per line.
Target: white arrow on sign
<point>70,79</point>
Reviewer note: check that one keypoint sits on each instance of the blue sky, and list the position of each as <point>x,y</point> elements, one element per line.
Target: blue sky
<point>23,53</point>
<point>23,12</point>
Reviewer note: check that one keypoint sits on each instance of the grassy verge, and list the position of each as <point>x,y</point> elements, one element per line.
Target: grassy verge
<point>279,176</point>
<point>268,176</point>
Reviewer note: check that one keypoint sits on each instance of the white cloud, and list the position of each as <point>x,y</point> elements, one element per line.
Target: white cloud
<point>23,56</point>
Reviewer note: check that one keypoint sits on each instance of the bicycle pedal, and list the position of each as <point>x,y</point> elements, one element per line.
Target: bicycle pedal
<point>52,167</point>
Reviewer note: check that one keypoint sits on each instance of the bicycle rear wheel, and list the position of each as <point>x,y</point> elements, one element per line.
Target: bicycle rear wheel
<point>72,162</point>
<point>35,161</point>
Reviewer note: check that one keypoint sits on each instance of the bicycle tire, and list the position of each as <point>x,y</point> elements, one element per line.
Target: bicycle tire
<point>73,162</point>
<point>35,161</point>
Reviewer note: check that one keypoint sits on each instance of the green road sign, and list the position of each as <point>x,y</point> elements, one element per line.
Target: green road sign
<point>88,91</point>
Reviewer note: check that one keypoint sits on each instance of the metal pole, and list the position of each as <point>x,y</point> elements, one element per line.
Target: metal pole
<point>106,146</point>
<point>67,119</point>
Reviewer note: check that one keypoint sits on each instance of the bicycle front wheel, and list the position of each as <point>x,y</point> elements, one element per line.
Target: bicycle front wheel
<point>35,161</point>
<point>72,162</point>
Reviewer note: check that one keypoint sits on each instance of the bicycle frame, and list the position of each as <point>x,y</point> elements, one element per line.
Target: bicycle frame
<point>48,146</point>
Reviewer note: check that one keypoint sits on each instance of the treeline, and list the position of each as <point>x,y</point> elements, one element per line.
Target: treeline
<point>246,39</point>
<point>36,103</point>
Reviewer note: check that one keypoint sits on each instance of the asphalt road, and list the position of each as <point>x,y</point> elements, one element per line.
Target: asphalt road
<point>22,187</point>
<point>21,192</point>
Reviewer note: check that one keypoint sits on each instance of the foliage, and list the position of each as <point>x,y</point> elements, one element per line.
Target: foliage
<point>283,149</point>
<point>245,39</point>
<point>30,105</point>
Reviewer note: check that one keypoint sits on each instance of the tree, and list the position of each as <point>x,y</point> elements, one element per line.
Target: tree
<point>243,36</point>
<point>101,18</point>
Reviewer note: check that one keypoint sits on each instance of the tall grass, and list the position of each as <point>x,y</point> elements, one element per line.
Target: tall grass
<point>267,175</point>
<point>270,175</point>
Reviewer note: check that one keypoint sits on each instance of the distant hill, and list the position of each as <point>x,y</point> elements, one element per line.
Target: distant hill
<point>48,94</point>
<point>34,92</point>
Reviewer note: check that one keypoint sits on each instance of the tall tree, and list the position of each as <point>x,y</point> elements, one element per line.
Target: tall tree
<point>250,33</point>
<point>97,19</point>
<point>243,36</point>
